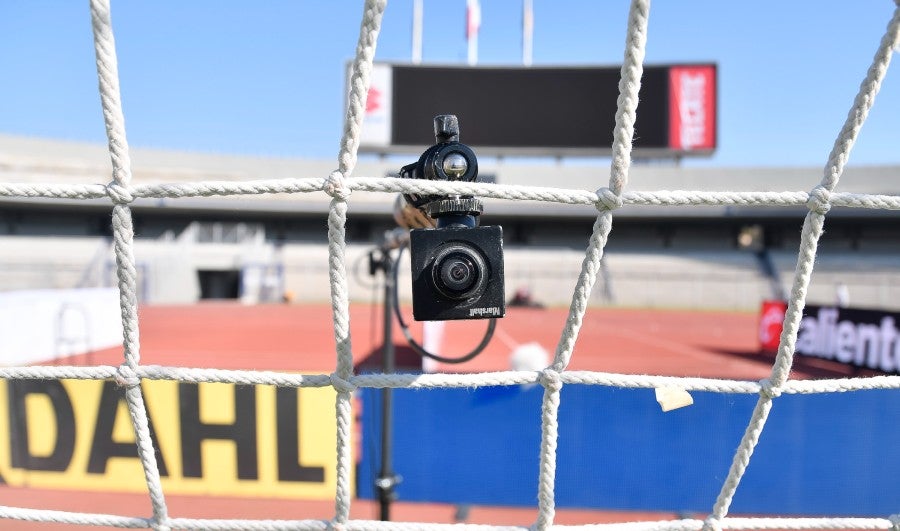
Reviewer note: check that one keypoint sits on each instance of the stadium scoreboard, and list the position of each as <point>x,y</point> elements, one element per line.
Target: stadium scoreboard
<point>541,111</point>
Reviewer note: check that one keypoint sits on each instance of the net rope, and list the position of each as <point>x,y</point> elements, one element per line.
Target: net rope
<point>340,184</point>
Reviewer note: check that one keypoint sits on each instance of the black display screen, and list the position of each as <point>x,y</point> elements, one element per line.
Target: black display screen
<point>536,108</point>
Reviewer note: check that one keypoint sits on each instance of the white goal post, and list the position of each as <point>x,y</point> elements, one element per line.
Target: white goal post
<point>341,183</point>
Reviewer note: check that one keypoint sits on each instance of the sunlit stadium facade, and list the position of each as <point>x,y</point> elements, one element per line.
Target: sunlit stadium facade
<point>270,247</point>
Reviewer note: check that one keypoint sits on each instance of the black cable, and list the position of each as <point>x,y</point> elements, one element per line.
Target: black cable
<point>419,349</point>
<point>354,267</point>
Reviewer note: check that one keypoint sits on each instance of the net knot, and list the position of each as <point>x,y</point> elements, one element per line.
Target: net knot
<point>608,200</point>
<point>712,524</point>
<point>342,385</point>
<point>551,379</point>
<point>119,194</point>
<point>127,377</point>
<point>336,186</point>
<point>819,200</point>
<point>895,518</point>
<point>768,389</point>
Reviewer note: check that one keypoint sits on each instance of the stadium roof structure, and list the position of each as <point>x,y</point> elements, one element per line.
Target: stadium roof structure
<point>41,160</point>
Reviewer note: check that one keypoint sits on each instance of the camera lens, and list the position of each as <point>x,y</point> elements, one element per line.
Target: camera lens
<point>459,271</point>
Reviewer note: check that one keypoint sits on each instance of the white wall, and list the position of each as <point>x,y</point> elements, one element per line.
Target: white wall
<point>42,325</point>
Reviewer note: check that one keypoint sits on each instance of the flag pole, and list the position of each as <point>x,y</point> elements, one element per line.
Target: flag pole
<point>527,31</point>
<point>417,32</point>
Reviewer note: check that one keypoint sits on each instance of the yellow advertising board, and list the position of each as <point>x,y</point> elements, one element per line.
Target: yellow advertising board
<point>211,438</point>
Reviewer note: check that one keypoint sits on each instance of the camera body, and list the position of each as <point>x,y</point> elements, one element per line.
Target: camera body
<point>457,273</point>
<point>457,267</point>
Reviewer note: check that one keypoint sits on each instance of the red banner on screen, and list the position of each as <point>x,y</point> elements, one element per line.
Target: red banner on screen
<point>692,107</point>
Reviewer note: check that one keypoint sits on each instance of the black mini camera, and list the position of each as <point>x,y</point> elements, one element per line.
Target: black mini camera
<point>457,267</point>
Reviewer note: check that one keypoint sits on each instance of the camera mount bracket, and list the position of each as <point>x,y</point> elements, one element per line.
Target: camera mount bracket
<point>455,206</point>
<point>447,160</point>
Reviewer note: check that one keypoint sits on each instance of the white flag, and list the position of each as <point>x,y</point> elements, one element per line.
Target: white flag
<point>473,19</point>
<point>473,23</point>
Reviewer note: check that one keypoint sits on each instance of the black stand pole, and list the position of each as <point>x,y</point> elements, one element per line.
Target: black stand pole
<point>386,478</point>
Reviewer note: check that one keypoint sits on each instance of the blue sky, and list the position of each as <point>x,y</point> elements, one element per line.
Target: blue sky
<point>266,78</point>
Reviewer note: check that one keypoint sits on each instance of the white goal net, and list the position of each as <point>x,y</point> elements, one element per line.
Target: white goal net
<point>340,184</point>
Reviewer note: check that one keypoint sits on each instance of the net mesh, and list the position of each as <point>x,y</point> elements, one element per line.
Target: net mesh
<point>339,185</point>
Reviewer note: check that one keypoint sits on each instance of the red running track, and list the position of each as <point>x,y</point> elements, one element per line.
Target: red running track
<point>300,338</point>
